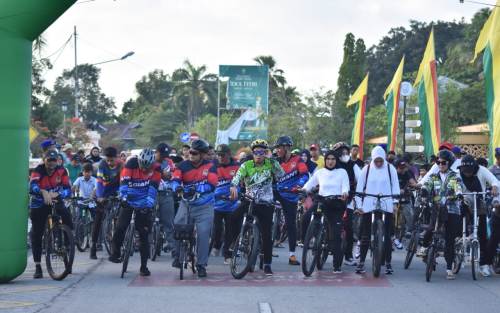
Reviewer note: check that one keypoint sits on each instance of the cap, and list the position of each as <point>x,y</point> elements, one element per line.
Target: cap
<point>163,149</point>
<point>51,155</point>
<point>456,150</point>
<point>223,148</point>
<point>47,143</point>
<point>446,145</point>
<point>497,152</point>
<point>314,146</point>
<point>67,146</point>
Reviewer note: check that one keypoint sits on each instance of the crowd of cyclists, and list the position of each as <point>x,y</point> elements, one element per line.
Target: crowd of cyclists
<point>215,178</point>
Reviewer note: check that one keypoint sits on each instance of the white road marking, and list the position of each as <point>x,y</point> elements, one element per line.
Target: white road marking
<point>265,307</point>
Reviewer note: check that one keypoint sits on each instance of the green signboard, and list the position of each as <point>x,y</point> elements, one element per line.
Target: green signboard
<point>248,90</point>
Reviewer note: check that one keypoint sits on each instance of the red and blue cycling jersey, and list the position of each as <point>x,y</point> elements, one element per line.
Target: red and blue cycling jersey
<point>296,175</point>
<point>40,180</point>
<point>223,189</point>
<point>139,187</point>
<point>166,165</point>
<point>108,179</point>
<point>203,179</point>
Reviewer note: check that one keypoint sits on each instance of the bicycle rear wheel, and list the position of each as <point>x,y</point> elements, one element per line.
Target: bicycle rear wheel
<point>377,247</point>
<point>127,248</point>
<point>431,263</point>
<point>245,251</point>
<point>411,249</point>
<point>311,245</point>
<point>59,251</point>
<point>474,259</point>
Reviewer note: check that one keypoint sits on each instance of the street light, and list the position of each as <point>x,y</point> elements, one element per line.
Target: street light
<point>64,108</point>
<point>128,54</point>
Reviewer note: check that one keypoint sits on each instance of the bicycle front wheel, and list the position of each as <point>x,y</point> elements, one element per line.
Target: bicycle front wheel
<point>474,259</point>
<point>322,249</point>
<point>245,251</point>
<point>459,256</point>
<point>377,247</point>
<point>59,251</point>
<point>411,249</point>
<point>127,248</point>
<point>310,252</point>
<point>107,231</point>
<point>153,241</point>
<point>431,263</point>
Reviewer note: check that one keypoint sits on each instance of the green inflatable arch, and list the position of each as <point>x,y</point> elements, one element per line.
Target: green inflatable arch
<point>21,21</point>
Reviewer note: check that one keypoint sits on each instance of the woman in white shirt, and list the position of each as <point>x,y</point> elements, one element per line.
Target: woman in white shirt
<point>379,177</point>
<point>332,181</point>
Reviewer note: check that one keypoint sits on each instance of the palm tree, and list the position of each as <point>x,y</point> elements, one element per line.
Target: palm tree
<point>195,88</point>
<point>276,76</point>
<point>39,44</point>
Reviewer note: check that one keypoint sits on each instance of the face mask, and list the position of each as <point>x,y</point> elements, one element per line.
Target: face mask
<point>344,158</point>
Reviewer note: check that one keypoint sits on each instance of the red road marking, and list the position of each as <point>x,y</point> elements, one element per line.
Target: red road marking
<point>283,279</point>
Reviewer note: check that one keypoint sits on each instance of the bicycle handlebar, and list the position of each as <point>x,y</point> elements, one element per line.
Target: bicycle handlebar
<point>379,196</point>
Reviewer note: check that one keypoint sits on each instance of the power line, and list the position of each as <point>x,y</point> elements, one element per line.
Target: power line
<point>478,2</point>
<point>61,47</point>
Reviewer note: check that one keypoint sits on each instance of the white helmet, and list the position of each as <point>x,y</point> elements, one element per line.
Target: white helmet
<point>146,158</point>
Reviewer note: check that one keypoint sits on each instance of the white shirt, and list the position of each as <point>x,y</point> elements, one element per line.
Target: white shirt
<point>85,187</point>
<point>331,182</point>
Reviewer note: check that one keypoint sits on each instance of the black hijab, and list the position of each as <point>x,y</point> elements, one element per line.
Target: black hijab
<point>311,166</point>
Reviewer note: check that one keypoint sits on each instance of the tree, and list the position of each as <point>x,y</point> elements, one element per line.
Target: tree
<point>196,90</point>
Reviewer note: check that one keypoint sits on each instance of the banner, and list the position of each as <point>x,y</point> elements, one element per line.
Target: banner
<point>489,41</point>
<point>358,130</point>
<point>428,102</point>
<point>247,89</point>
<point>391,97</point>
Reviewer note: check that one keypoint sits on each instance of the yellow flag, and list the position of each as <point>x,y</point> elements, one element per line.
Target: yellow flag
<point>360,93</point>
<point>33,134</point>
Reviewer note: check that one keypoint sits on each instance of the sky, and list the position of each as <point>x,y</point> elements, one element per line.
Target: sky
<point>304,36</point>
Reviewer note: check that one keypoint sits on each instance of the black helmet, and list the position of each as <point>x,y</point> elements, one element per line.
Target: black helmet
<point>163,149</point>
<point>200,145</point>
<point>284,141</point>
<point>446,155</point>
<point>468,164</point>
<point>223,148</point>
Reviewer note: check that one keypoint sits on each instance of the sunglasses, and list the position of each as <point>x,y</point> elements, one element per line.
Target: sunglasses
<point>193,152</point>
<point>259,152</point>
<point>442,162</point>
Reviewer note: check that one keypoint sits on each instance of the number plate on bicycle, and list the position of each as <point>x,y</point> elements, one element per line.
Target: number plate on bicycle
<point>183,231</point>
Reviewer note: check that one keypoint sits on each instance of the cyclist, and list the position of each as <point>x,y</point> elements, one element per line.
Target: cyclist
<point>332,181</point>
<point>296,175</point>
<point>444,188</point>
<point>406,181</point>
<point>475,179</point>
<point>306,157</point>
<point>85,185</point>
<point>316,156</point>
<point>108,182</point>
<point>165,193</point>
<point>355,156</point>
<point>495,169</point>
<point>224,207</point>
<point>257,176</point>
<point>74,168</point>
<point>139,183</point>
<point>200,176</point>
<point>341,150</point>
<point>379,177</point>
<point>49,185</point>
<point>435,169</point>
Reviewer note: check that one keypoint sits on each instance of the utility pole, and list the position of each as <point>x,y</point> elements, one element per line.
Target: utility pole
<point>77,91</point>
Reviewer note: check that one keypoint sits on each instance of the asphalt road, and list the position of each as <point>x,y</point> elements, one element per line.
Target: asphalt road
<point>96,286</point>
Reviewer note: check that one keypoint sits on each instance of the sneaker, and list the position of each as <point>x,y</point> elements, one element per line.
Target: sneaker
<point>176,263</point>
<point>93,254</point>
<point>267,270</point>
<point>227,261</point>
<point>485,270</point>
<point>215,252</point>
<point>357,252</point>
<point>350,262</point>
<point>337,271</point>
<point>202,271</point>
<point>293,260</point>
<point>360,269</point>
<point>388,269</point>
<point>114,259</point>
<point>397,244</point>
<point>450,275</point>
<point>422,252</point>
<point>144,271</point>
<point>38,272</point>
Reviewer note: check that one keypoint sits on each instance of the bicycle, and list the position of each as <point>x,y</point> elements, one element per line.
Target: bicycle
<point>279,233</point>
<point>416,238</point>
<point>110,221</point>
<point>377,238</point>
<point>247,244</point>
<point>315,251</point>
<point>467,247</point>
<point>83,223</point>
<point>157,236</point>
<point>186,235</point>
<point>59,246</point>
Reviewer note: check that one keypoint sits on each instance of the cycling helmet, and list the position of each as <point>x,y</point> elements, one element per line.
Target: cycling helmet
<point>200,145</point>
<point>284,141</point>
<point>146,158</point>
<point>447,155</point>
<point>259,143</point>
